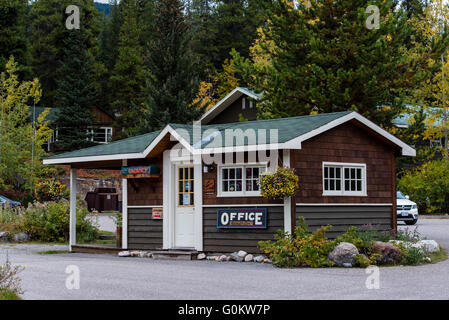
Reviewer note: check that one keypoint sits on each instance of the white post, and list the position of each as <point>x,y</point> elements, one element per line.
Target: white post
<point>72,233</point>
<point>125,210</point>
<point>287,200</point>
<point>198,182</point>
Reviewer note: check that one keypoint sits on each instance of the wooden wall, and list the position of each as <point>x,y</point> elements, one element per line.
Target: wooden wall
<point>345,143</point>
<point>145,192</point>
<point>144,232</point>
<point>231,240</point>
<point>232,113</point>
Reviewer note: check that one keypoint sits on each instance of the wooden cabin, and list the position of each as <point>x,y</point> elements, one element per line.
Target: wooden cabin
<point>196,186</point>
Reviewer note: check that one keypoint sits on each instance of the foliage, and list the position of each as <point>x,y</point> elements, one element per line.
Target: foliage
<point>323,56</point>
<point>48,222</point>
<point>21,140</point>
<point>362,261</point>
<point>118,219</point>
<point>283,183</point>
<point>10,283</point>
<point>302,249</point>
<point>174,80</point>
<point>413,256</point>
<point>428,186</point>
<point>50,190</point>
<point>76,94</point>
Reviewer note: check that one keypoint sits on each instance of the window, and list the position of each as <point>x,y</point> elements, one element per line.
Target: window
<point>185,187</point>
<point>344,179</point>
<point>100,135</point>
<point>240,180</point>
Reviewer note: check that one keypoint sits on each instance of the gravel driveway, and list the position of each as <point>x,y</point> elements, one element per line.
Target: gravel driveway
<point>111,277</point>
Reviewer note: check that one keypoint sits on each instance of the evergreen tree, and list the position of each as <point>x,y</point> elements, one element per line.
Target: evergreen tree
<point>75,93</point>
<point>48,32</point>
<point>128,75</point>
<point>325,59</point>
<point>13,37</point>
<point>174,81</point>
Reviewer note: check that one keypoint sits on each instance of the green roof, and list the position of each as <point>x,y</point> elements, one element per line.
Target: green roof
<point>288,129</point>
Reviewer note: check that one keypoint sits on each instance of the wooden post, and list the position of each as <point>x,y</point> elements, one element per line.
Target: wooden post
<point>287,200</point>
<point>394,221</point>
<point>72,232</point>
<point>125,210</point>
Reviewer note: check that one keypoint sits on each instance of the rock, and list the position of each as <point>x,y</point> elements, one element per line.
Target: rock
<point>201,256</point>
<point>135,253</point>
<point>259,259</point>
<point>347,265</point>
<point>21,237</point>
<point>249,258</point>
<point>124,254</point>
<point>343,253</point>
<point>142,254</point>
<point>149,255</point>
<point>390,254</point>
<point>235,257</point>
<point>4,236</point>
<point>242,254</point>
<point>228,258</point>
<point>211,258</point>
<point>428,245</point>
<point>222,258</point>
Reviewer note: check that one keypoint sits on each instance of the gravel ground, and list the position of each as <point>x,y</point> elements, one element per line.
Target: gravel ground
<point>111,277</point>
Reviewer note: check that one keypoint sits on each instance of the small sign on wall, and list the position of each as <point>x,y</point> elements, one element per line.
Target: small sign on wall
<point>157,213</point>
<point>255,218</point>
<point>209,185</point>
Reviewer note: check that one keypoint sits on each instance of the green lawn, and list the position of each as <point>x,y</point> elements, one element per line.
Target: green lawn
<point>8,295</point>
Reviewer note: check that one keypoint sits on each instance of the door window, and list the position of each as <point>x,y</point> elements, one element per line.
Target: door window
<point>185,197</point>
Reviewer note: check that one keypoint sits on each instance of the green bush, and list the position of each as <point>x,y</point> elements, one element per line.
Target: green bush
<point>362,261</point>
<point>48,222</point>
<point>305,248</point>
<point>428,186</point>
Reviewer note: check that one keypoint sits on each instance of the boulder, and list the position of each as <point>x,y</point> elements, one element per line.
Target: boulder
<point>124,254</point>
<point>222,258</point>
<point>428,245</point>
<point>149,255</point>
<point>390,254</point>
<point>201,256</point>
<point>249,258</point>
<point>142,254</point>
<point>134,253</point>
<point>235,257</point>
<point>21,237</point>
<point>4,236</point>
<point>259,259</point>
<point>242,254</point>
<point>347,265</point>
<point>344,253</point>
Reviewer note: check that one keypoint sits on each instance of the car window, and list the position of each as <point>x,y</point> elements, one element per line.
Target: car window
<point>399,195</point>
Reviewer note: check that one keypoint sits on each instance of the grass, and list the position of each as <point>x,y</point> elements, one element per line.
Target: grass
<point>8,295</point>
<point>106,233</point>
<point>53,251</point>
<point>438,256</point>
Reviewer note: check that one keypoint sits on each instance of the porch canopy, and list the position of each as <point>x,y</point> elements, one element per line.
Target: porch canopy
<point>286,134</point>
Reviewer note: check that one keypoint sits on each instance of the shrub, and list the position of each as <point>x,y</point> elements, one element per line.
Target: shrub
<point>302,249</point>
<point>283,183</point>
<point>413,256</point>
<point>362,261</point>
<point>48,222</point>
<point>428,186</point>
<point>10,283</point>
<point>50,190</point>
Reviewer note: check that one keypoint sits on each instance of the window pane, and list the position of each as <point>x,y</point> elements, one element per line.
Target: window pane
<point>249,185</point>
<point>225,186</point>
<point>326,172</point>
<point>238,173</point>
<point>191,199</point>
<point>180,199</point>
<point>255,185</point>
<point>337,172</point>
<point>347,173</point>
<point>352,173</point>
<point>232,173</point>
<point>332,185</point>
<point>231,186</point>
<point>347,185</point>
<point>352,185</point>
<point>359,185</point>
<point>225,173</point>
<point>326,184</point>
<point>337,185</point>
<point>255,172</point>
<point>248,173</point>
<point>191,173</point>
<point>238,186</point>
<point>331,172</point>
<point>359,174</point>
<point>181,173</point>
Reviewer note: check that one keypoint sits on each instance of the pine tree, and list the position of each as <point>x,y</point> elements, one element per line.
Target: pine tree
<point>75,92</point>
<point>325,59</point>
<point>128,75</point>
<point>48,32</point>
<point>174,81</point>
<point>13,37</point>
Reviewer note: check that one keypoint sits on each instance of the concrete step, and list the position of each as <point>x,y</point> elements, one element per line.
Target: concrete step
<point>175,254</point>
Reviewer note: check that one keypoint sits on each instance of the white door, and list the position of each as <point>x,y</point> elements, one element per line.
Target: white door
<point>184,207</point>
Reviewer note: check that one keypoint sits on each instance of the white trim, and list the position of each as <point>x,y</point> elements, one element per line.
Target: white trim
<point>198,202</point>
<point>406,149</point>
<point>124,213</point>
<point>243,193</point>
<point>287,200</point>
<point>72,234</point>
<point>225,205</point>
<point>343,192</point>
<point>166,196</point>
<point>224,103</point>
<point>94,158</point>
<point>343,204</point>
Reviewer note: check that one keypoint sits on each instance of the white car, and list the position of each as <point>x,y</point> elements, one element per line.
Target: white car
<point>406,209</point>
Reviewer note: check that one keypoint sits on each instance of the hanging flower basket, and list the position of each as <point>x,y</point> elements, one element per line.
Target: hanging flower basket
<point>283,183</point>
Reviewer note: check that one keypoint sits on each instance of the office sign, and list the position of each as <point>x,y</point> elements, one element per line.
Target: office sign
<point>140,172</point>
<point>254,218</point>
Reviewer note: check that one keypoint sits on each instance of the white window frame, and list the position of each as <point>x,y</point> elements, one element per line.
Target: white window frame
<point>243,193</point>
<point>342,192</point>
<point>91,138</point>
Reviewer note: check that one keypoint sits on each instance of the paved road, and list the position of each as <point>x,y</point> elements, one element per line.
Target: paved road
<point>111,277</point>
